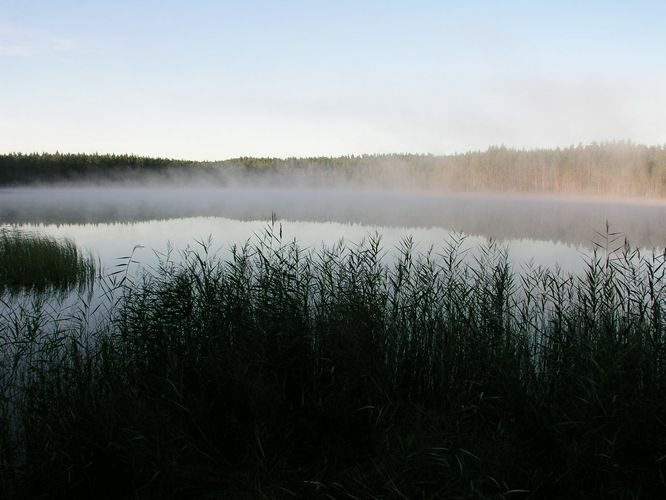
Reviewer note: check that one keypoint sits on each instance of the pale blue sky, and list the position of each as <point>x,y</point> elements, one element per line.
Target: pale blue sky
<point>212,80</point>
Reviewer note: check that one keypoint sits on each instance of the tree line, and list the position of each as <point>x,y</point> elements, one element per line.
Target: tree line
<point>601,169</point>
<point>20,168</point>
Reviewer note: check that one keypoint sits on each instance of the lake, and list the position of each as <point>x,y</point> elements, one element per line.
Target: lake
<point>112,221</point>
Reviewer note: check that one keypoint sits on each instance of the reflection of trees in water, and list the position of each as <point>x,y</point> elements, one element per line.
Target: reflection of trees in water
<point>492,216</point>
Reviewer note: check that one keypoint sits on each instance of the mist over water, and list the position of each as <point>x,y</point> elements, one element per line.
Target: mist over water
<point>568,220</point>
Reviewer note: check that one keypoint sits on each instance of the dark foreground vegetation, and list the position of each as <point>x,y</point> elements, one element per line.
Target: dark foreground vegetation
<point>287,373</point>
<point>38,263</point>
<point>607,169</point>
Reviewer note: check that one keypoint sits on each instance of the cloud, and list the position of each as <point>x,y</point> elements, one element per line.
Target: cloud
<point>8,50</point>
<point>22,41</point>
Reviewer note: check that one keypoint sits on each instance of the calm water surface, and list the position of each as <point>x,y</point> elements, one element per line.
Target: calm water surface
<point>110,222</point>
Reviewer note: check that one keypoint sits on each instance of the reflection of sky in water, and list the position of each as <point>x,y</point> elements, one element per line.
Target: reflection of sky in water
<point>504,217</point>
<point>115,240</point>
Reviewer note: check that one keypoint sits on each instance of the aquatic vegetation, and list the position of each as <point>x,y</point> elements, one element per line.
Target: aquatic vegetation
<point>36,262</point>
<point>288,372</point>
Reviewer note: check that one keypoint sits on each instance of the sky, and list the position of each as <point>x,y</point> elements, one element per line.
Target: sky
<point>208,80</point>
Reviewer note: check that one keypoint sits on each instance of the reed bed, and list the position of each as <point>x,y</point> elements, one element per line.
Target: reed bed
<point>284,372</point>
<point>38,263</point>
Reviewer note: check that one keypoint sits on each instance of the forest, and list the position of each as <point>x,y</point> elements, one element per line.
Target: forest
<point>598,169</point>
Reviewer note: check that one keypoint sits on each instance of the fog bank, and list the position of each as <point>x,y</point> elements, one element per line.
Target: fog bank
<point>571,220</point>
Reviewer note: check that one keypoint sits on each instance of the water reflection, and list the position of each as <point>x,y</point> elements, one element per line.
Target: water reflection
<point>112,242</point>
<point>492,216</point>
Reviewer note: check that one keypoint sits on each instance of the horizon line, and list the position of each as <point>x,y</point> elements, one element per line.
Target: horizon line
<point>611,142</point>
